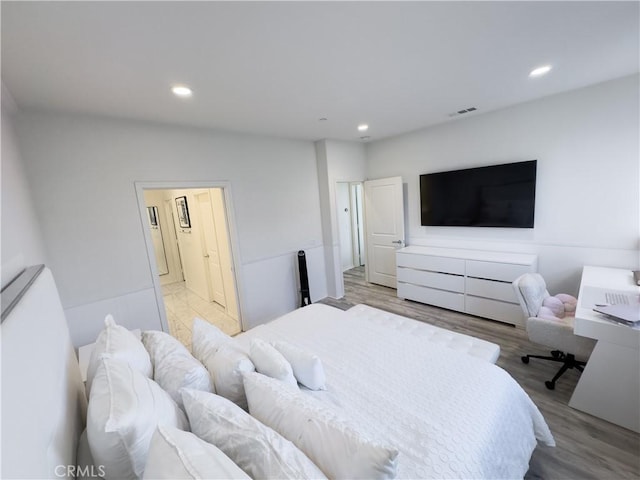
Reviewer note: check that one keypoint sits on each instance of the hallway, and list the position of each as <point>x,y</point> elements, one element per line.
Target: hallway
<point>182,305</point>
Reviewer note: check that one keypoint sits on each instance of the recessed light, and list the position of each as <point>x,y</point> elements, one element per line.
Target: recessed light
<point>363,127</point>
<point>538,72</point>
<point>181,91</point>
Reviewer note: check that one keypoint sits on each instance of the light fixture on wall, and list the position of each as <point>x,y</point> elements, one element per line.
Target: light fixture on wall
<point>363,127</point>
<point>539,71</point>
<point>181,91</point>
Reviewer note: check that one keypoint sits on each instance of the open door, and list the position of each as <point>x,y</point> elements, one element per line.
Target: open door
<point>210,249</point>
<point>384,225</point>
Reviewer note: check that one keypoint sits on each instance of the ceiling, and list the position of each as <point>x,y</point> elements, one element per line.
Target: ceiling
<point>276,68</point>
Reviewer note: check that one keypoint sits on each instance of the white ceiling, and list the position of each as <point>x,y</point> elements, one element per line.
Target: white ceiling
<point>275,68</point>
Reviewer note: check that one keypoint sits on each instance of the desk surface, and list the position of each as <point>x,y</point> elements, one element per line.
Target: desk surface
<point>596,325</point>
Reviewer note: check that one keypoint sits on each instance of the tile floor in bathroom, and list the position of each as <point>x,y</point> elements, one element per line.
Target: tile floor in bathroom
<point>182,305</point>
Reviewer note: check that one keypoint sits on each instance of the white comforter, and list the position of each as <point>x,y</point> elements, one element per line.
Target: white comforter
<point>451,415</point>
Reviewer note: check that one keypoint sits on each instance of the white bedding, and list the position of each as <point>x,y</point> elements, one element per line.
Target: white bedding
<point>451,414</point>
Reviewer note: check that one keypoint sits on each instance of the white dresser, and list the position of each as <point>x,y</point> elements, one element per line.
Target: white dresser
<point>471,281</point>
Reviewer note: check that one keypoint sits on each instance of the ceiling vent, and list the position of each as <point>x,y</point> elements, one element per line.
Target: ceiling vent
<point>463,111</point>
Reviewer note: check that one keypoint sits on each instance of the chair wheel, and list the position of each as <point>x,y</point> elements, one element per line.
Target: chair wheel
<point>524,359</point>
<point>550,385</point>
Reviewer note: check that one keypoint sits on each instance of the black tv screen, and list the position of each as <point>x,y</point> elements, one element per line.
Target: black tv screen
<point>493,196</point>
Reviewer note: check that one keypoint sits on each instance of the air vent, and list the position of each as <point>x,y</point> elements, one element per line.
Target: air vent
<point>463,111</point>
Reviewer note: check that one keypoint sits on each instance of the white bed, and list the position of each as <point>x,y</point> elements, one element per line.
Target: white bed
<point>433,394</point>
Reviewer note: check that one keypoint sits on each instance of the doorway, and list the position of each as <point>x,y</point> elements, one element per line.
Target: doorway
<point>190,244</point>
<point>349,204</point>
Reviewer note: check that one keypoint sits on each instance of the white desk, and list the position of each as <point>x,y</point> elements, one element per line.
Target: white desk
<point>609,387</point>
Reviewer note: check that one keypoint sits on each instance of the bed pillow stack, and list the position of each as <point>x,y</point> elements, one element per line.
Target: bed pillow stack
<point>258,450</point>
<point>173,366</point>
<point>307,367</point>
<point>288,363</point>
<point>331,442</point>
<point>225,360</point>
<point>125,404</point>
<point>125,408</point>
<point>271,362</point>
<point>175,454</point>
<point>119,344</point>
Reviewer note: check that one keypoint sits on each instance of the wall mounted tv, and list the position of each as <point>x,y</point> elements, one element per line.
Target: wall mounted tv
<point>493,196</point>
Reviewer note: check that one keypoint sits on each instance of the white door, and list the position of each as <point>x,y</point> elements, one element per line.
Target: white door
<point>224,251</point>
<point>210,248</point>
<point>384,224</point>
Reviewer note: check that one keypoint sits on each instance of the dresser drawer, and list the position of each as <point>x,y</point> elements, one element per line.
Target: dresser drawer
<point>494,309</point>
<point>491,289</point>
<point>507,272</point>
<point>442,281</point>
<point>431,263</point>
<point>432,296</point>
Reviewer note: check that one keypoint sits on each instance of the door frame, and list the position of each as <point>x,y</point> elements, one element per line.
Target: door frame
<point>140,187</point>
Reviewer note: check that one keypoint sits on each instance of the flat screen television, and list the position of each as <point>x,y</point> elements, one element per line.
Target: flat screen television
<point>493,196</point>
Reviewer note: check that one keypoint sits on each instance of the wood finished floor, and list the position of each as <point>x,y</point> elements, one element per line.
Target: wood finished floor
<point>587,447</point>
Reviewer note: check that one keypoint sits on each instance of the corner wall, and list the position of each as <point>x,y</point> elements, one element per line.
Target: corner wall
<point>338,161</point>
<point>82,171</point>
<point>588,195</point>
<point>21,240</point>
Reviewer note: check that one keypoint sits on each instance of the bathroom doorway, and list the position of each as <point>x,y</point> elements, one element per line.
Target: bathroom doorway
<point>190,244</point>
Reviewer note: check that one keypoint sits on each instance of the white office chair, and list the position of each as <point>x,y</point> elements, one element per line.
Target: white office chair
<point>550,323</point>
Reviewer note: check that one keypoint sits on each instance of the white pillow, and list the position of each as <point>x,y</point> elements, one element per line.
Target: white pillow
<point>173,366</point>
<point>176,455</point>
<point>87,469</point>
<point>227,367</point>
<point>206,340</point>
<point>271,362</point>
<point>307,367</point>
<point>124,410</point>
<point>329,441</point>
<point>120,344</point>
<point>255,448</point>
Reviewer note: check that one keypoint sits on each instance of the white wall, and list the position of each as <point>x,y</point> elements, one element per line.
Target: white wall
<point>588,195</point>
<point>82,171</point>
<point>21,240</point>
<point>338,161</point>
